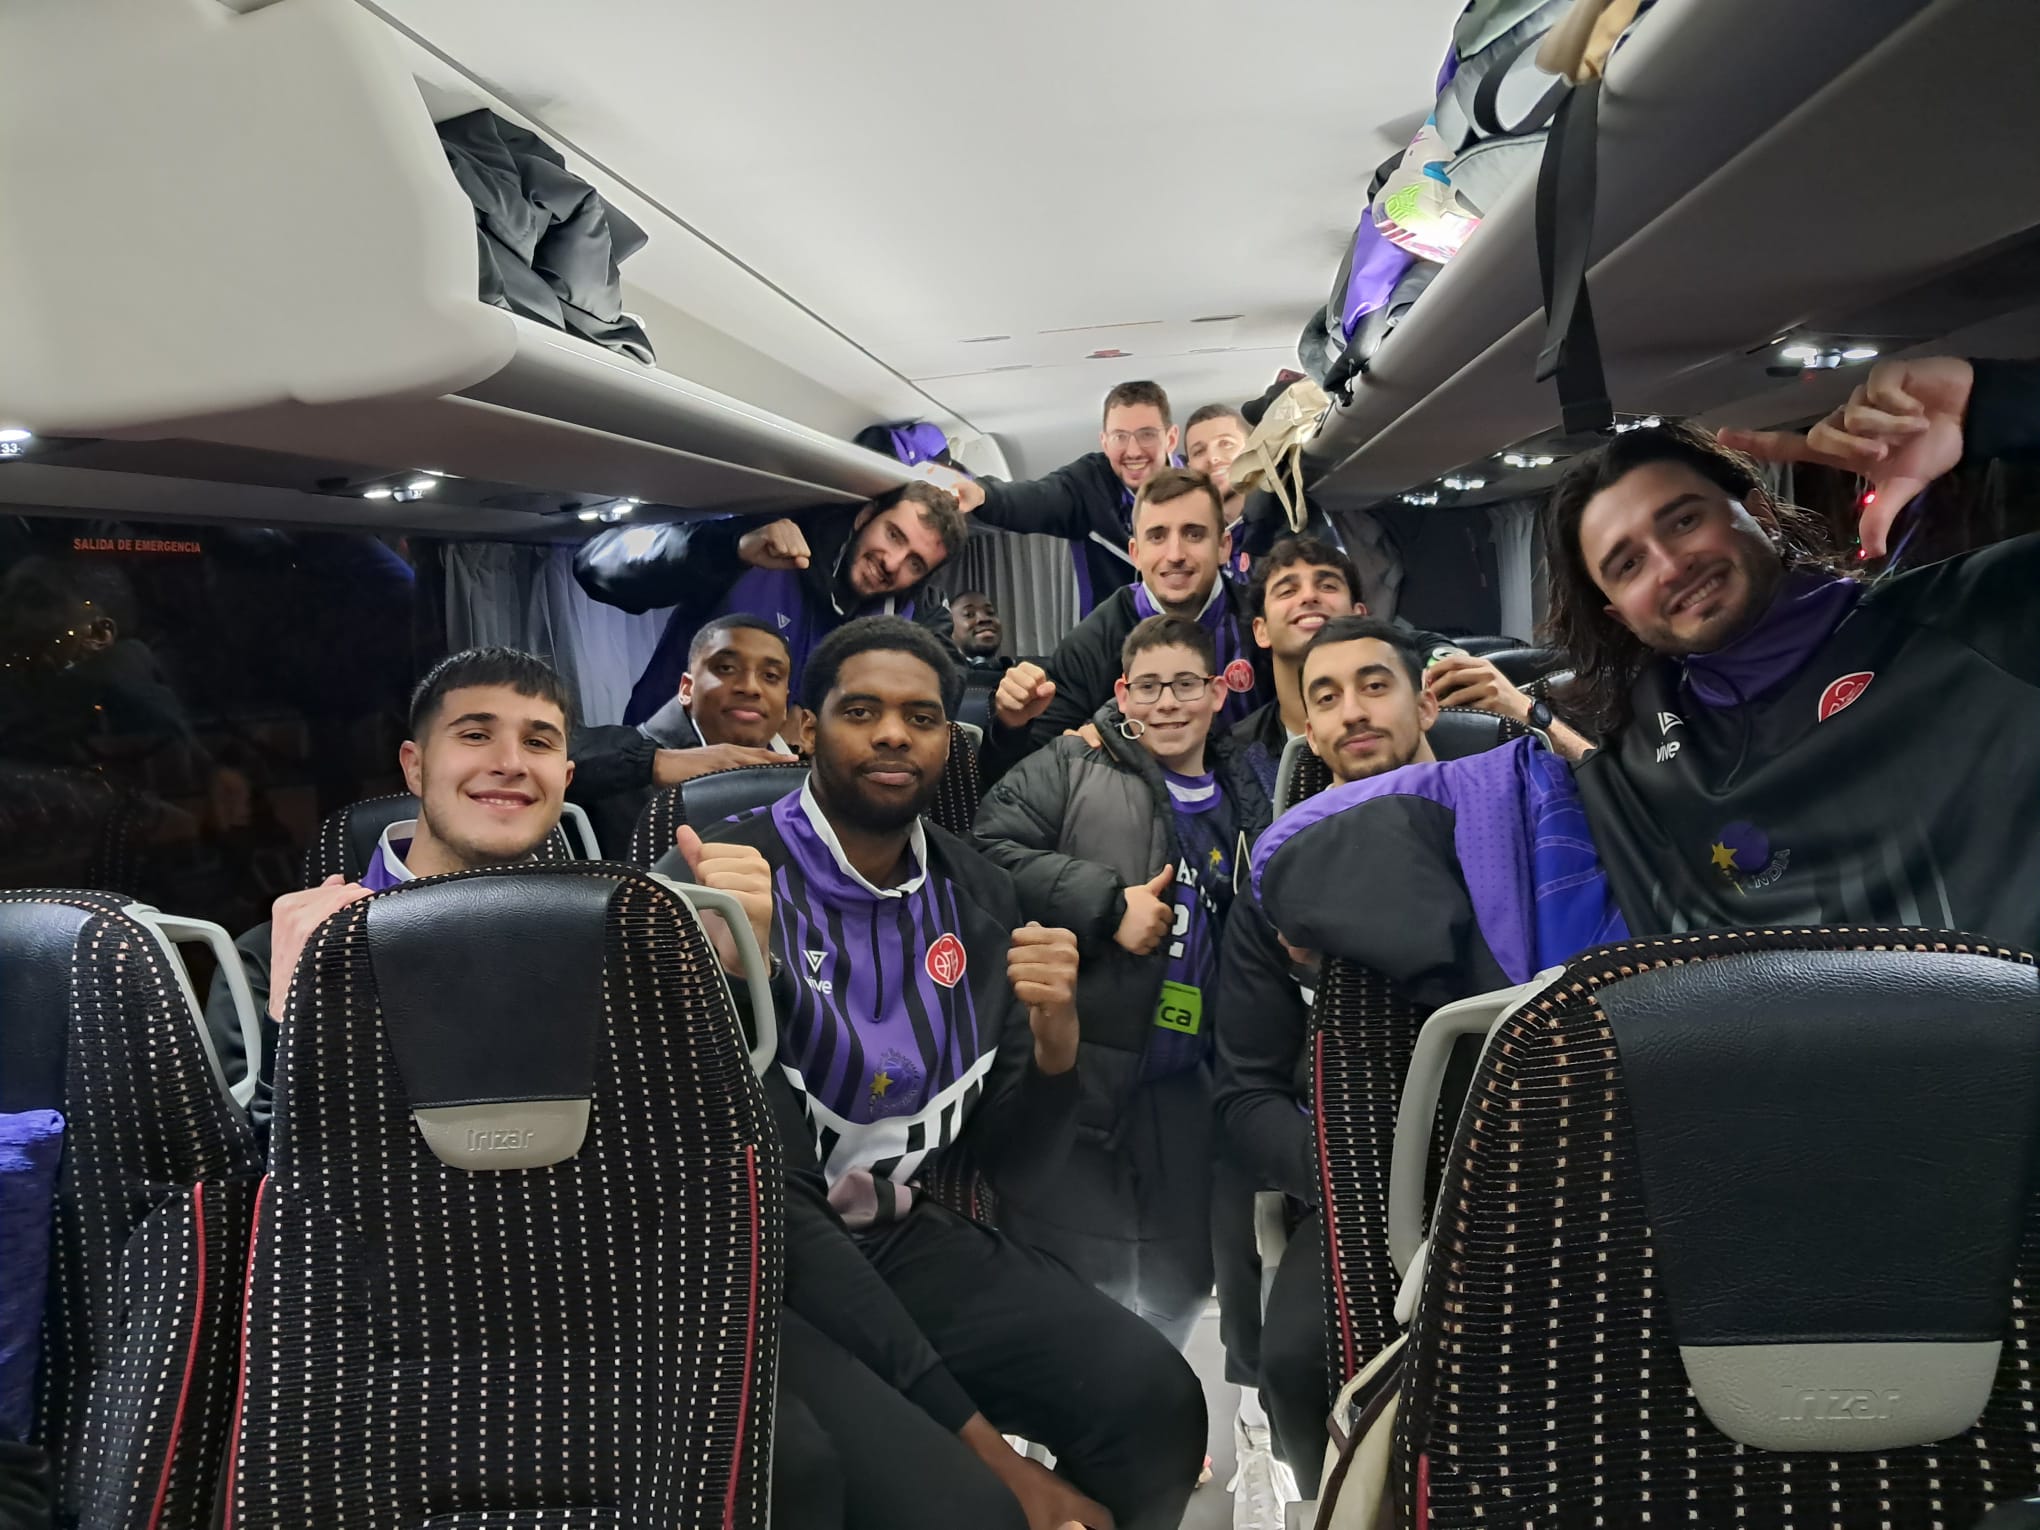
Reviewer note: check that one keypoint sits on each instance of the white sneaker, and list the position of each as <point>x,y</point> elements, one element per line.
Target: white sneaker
<point>1262,1485</point>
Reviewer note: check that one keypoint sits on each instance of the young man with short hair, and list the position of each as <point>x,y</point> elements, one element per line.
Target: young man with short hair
<point>731,711</point>
<point>1133,845</point>
<point>1299,586</point>
<point>1370,871</point>
<point>1179,545</point>
<point>1089,502</point>
<point>1756,701</point>
<point>807,574</point>
<point>976,631</point>
<point>486,756</point>
<point>919,1018</point>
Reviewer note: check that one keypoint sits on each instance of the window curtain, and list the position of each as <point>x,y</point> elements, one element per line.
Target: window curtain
<point>1031,578</point>
<point>523,595</point>
<point>1514,525</point>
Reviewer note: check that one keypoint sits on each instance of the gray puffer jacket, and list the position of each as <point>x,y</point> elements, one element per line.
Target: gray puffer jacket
<point>1076,826</point>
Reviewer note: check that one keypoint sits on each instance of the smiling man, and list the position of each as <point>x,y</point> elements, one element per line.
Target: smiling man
<point>487,760</point>
<point>1179,546</point>
<point>920,1019</point>
<point>806,574</point>
<point>976,631</point>
<point>731,711</point>
<point>1755,701</point>
<point>1302,584</point>
<point>1089,502</point>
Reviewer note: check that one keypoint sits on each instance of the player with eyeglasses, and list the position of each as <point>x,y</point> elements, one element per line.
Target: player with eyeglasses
<point>1089,502</point>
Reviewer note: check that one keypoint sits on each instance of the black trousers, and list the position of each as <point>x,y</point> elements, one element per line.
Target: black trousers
<point>1236,1263</point>
<point>1044,1356</point>
<point>1133,1217</point>
<point>851,1453</point>
<point>1295,1373</point>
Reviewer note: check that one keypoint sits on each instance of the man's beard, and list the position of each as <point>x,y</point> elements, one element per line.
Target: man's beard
<point>846,797</point>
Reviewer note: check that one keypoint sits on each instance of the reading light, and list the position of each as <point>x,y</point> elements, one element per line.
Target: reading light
<point>1800,353</point>
<point>1420,497</point>
<point>378,493</point>
<point>14,435</point>
<point>1860,353</point>
<point>1465,483</point>
<point>420,486</point>
<point>589,515</point>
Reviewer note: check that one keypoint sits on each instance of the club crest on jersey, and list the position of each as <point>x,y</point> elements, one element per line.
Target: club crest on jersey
<point>1843,693</point>
<point>945,961</point>
<point>895,1086</point>
<point>1239,676</point>
<point>1741,852</point>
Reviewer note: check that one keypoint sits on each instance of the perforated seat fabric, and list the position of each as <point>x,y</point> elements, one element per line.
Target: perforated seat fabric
<point>587,1343</point>
<point>707,799</point>
<point>1545,1384</point>
<point>150,1233</point>
<point>1461,731</point>
<point>1523,665</point>
<point>956,797</point>
<point>347,838</point>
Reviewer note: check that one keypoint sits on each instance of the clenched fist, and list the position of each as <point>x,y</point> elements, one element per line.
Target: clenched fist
<point>1023,695</point>
<point>1149,914</point>
<point>742,872</point>
<point>1041,964</point>
<point>780,545</point>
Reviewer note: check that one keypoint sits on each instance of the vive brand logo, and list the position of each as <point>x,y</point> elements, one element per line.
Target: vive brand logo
<point>817,982</point>
<point>1830,1405</point>
<point>1669,749</point>
<point>785,621</point>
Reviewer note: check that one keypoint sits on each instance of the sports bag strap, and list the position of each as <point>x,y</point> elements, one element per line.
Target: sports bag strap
<point>1565,228</point>
<point>1487,94</point>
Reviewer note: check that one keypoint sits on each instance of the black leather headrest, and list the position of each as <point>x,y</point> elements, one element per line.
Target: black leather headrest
<point>1522,665</point>
<point>1459,732</point>
<point>38,942</point>
<point>1835,1150</point>
<point>491,993</point>
<point>1483,646</point>
<point>725,793</point>
<point>365,823</point>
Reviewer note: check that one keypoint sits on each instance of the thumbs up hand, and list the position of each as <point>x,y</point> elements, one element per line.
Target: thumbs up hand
<point>1149,913</point>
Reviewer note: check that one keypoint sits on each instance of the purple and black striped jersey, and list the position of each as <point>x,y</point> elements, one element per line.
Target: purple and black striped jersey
<point>1207,836</point>
<point>897,1024</point>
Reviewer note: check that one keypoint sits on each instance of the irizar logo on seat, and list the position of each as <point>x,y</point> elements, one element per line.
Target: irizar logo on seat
<point>498,1142</point>
<point>1830,1405</point>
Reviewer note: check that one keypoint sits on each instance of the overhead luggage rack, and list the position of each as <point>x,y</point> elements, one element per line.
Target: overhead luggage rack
<point>1761,169</point>
<point>261,247</point>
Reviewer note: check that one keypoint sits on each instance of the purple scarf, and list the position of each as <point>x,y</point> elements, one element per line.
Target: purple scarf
<point>1802,616</point>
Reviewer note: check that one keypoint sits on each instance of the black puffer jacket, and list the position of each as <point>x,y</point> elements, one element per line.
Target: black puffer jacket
<point>1076,826</point>
<point>1082,501</point>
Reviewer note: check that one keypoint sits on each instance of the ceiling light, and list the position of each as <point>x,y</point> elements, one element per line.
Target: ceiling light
<point>421,486</point>
<point>378,493</point>
<point>1465,483</point>
<point>15,435</point>
<point>1423,497</point>
<point>1800,352</point>
<point>1860,353</point>
<point>590,515</point>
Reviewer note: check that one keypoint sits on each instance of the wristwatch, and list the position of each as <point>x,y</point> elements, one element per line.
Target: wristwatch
<point>1540,717</point>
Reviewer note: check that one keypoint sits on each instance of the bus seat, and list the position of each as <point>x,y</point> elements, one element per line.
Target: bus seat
<point>1483,646</point>
<point>1520,666</point>
<point>707,799</point>
<point>956,796</point>
<point>347,837</point>
<point>1300,774</point>
<point>520,1244</point>
<point>976,706</point>
<point>1738,1218</point>
<point>1460,731</point>
<point>153,1200</point>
